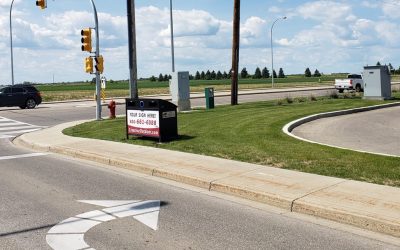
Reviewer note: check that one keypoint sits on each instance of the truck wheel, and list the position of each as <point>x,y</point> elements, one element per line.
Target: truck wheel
<point>30,103</point>
<point>358,88</point>
<point>341,90</point>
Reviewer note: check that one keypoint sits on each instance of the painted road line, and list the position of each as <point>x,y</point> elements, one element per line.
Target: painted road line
<point>22,131</point>
<point>6,124</point>
<point>6,136</point>
<point>10,157</point>
<point>70,233</point>
<point>17,127</point>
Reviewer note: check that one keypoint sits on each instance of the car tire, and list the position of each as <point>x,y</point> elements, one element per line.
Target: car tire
<point>358,88</point>
<point>341,90</point>
<point>30,103</point>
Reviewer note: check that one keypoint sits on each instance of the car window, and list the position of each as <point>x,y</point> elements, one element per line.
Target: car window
<point>31,89</point>
<point>7,90</point>
<point>18,90</point>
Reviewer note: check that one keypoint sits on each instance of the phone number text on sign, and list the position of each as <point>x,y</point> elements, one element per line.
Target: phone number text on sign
<point>144,123</point>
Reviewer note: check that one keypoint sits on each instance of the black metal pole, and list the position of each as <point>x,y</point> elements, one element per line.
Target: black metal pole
<point>132,49</point>
<point>235,53</point>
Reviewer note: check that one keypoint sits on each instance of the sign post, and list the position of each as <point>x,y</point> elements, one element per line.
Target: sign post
<point>103,88</point>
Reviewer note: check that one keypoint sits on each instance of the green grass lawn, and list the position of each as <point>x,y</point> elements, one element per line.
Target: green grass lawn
<point>253,133</point>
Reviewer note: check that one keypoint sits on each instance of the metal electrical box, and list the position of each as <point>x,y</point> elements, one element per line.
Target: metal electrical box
<point>180,90</point>
<point>377,83</point>
<point>209,94</point>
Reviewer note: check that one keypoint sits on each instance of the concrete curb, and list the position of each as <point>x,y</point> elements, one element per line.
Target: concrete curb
<point>288,128</point>
<point>293,203</point>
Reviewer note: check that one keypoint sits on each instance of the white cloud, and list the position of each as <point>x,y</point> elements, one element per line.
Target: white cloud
<point>326,11</point>
<point>391,8</point>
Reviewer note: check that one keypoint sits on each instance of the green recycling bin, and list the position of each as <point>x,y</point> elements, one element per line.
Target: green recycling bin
<point>209,94</point>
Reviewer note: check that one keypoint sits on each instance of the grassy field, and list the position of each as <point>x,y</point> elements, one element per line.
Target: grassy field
<point>56,92</point>
<point>81,90</point>
<point>252,133</point>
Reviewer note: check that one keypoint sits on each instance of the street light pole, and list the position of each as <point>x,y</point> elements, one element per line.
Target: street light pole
<point>11,46</point>
<point>172,36</point>
<point>272,49</point>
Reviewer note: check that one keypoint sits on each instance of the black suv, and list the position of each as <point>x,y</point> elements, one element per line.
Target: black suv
<point>23,96</point>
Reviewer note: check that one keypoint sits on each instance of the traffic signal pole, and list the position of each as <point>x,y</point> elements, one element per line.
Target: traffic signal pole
<point>98,87</point>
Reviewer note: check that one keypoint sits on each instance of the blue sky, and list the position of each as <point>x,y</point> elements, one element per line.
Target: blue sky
<point>331,36</point>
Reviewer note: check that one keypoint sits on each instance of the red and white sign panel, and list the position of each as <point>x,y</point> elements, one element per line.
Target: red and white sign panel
<point>143,122</point>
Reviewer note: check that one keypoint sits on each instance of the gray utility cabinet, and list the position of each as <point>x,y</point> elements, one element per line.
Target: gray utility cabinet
<point>180,90</point>
<point>377,83</point>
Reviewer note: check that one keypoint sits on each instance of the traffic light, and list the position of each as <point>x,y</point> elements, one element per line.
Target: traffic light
<point>99,64</point>
<point>86,40</point>
<point>42,4</point>
<point>89,65</point>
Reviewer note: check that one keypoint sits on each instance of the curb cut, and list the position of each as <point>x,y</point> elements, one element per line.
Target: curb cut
<point>288,128</point>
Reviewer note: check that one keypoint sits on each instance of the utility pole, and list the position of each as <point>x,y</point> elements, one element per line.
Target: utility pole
<point>133,88</point>
<point>11,45</point>
<point>235,53</point>
<point>172,36</point>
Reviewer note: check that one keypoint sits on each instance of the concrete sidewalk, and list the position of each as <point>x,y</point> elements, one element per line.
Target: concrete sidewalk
<point>369,206</point>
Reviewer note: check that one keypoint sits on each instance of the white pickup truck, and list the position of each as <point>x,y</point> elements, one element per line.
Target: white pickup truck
<point>353,82</point>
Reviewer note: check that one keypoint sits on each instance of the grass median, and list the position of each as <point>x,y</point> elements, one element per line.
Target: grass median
<point>252,133</point>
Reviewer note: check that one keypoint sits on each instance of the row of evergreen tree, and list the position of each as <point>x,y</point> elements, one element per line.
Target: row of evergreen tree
<point>258,74</point>
<point>212,75</point>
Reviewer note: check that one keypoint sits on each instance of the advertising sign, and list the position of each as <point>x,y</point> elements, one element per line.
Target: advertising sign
<point>143,123</point>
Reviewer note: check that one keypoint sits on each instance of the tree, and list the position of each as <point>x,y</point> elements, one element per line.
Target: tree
<point>275,76</point>
<point>208,75</point>
<point>202,75</point>
<point>391,69</point>
<point>244,73</point>
<point>378,63</point>
<point>307,73</point>
<point>213,75</point>
<point>230,74</point>
<point>153,79</point>
<point>219,75</point>
<point>281,73</point>
<point>160,77</point>
<point>316,73</point>
<point>257,73</point>
<point>225,75</point>
<point>197,77</point>
<point>166,77</point>
<point>265,73</point>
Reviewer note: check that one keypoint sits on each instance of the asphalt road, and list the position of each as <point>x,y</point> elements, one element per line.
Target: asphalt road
<point>39,191</point>
<point>375,131</point>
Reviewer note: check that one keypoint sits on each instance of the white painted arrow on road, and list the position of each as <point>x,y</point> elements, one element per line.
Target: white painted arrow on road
<point>69,233</point>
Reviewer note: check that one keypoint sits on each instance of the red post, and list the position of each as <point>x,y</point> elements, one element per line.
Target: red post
<point>111,106</point>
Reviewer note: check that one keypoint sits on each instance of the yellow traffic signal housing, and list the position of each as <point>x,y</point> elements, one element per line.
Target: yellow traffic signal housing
<point>42,4</point>
<point>99,64</point>
<point>86,40</point>
<point>89,65</point>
